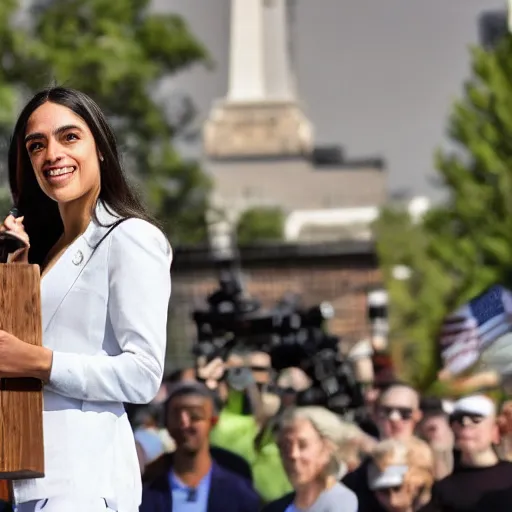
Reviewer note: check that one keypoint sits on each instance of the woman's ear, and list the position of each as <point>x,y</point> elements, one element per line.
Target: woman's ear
<point>496,434</point>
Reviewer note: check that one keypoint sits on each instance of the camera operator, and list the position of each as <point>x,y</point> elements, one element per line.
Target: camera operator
<point>245,421</point>
<point>241,347</point>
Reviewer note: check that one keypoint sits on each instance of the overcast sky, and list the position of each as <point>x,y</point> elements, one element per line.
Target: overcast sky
<point>376,76</point>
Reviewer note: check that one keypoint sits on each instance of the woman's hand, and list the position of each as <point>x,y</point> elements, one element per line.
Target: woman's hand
<point>20,359</point>
<point>15,227</point>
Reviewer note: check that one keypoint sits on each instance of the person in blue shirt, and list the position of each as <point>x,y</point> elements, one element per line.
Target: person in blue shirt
<point>189,480</point>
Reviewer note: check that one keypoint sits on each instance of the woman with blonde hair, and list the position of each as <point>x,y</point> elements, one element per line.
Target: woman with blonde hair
<point>401,474</point>
<point>309,439</point>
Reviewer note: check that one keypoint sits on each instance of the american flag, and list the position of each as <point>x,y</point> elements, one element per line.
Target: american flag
<point>474,327</point>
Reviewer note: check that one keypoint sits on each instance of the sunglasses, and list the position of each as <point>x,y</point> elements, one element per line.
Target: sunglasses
<point>405,413</point>
<point>466,419</point>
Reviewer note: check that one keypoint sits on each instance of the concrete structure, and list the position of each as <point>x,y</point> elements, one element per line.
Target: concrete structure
<point>260,147</point>
<point>260,115</point>
<point>377,77</point>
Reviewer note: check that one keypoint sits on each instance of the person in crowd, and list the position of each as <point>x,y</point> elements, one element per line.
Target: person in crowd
<point>397,412</point>
<point>105,288</point>
<point>481,476</point>
<point>147,431</point>
<point>505,428</point>
<point>149,446</point>
<point>246,421</point>
<point>187,373</point>
<point>357,447</point>
<point>224,457</point>
<point>189,480</point>
<point>141,456</point>
<point>149,418</point>
<point>309,439</point>
<point>374,372</point>
<point>292,381</point>
<point>401,475</point>
<point>435,429</point>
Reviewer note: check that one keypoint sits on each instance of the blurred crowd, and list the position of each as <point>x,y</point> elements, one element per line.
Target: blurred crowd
<point>242,444</point>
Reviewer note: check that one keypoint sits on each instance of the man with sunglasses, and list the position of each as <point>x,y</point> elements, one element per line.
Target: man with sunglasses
<point>480,475</point>
<point>397,412</point>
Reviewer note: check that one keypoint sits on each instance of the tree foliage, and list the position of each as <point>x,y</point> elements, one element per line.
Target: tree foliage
<point>12,50</point>
<point>261,224</point>
<point>417,304</point>
<point>119,52</point>
<point>464,245</point>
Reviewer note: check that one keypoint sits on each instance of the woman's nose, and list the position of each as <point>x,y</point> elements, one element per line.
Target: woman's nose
<point>293,453</point>
<point>53,152</point>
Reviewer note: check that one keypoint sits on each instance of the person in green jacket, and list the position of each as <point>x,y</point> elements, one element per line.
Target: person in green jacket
<point>247,431</point>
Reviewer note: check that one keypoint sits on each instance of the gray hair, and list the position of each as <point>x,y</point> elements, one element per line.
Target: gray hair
<point>329,426</point>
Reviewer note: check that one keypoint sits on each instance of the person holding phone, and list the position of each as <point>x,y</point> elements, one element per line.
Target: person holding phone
<point>105,289</point>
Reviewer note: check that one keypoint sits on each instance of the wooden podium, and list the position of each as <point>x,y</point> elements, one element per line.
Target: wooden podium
<point>21,400</point>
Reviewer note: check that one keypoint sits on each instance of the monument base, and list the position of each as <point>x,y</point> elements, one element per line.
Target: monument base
<point>257,129</point>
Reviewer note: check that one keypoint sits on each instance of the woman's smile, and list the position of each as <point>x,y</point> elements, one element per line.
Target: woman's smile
<point>59,175</point>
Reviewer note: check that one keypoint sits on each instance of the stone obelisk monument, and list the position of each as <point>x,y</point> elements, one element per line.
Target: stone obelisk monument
<point>260,115</point>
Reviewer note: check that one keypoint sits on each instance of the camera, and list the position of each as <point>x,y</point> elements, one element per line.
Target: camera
<point>293,336</point>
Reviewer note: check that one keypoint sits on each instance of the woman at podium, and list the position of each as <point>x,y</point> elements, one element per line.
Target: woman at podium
<point>105,288</point>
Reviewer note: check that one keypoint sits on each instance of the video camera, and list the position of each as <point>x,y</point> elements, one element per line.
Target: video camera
<point>292,335</point>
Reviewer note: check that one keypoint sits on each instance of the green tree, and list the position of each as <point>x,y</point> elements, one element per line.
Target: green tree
<point>417,304</point>
<point>260,224</point>
<point>119,52</point>
<point>464,245</point>
<point>13,42</point>
<point>5,201</point>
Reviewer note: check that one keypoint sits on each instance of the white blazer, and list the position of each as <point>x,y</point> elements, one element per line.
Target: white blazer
<point>105,318</point>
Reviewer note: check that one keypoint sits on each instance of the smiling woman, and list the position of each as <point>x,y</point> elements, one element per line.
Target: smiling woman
<point>105,290</point>
<point>309,441</point>
<point>66,165</point>
<point>43,149</point>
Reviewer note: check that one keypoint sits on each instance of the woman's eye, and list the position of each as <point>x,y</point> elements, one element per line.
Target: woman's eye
<point>34,147</point>
<point>71,136</point>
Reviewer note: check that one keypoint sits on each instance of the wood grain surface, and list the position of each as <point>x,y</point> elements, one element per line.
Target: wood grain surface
<point>21,400</point>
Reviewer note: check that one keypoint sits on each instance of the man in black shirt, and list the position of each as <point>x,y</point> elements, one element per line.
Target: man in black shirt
<point>481,477</point>
<point>397,414</point>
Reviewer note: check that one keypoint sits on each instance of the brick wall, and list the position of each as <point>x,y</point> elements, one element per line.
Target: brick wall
<point>337,273</point>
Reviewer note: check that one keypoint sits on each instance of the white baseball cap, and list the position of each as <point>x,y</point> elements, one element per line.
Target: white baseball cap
<point>391,476</point>
<point>478,405</point>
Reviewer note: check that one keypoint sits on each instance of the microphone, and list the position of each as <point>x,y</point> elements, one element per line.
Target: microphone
<point>192,495</point>
<point>9,242</point>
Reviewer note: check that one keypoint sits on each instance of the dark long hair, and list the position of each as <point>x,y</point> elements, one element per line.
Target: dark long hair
<point>42,219</point>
